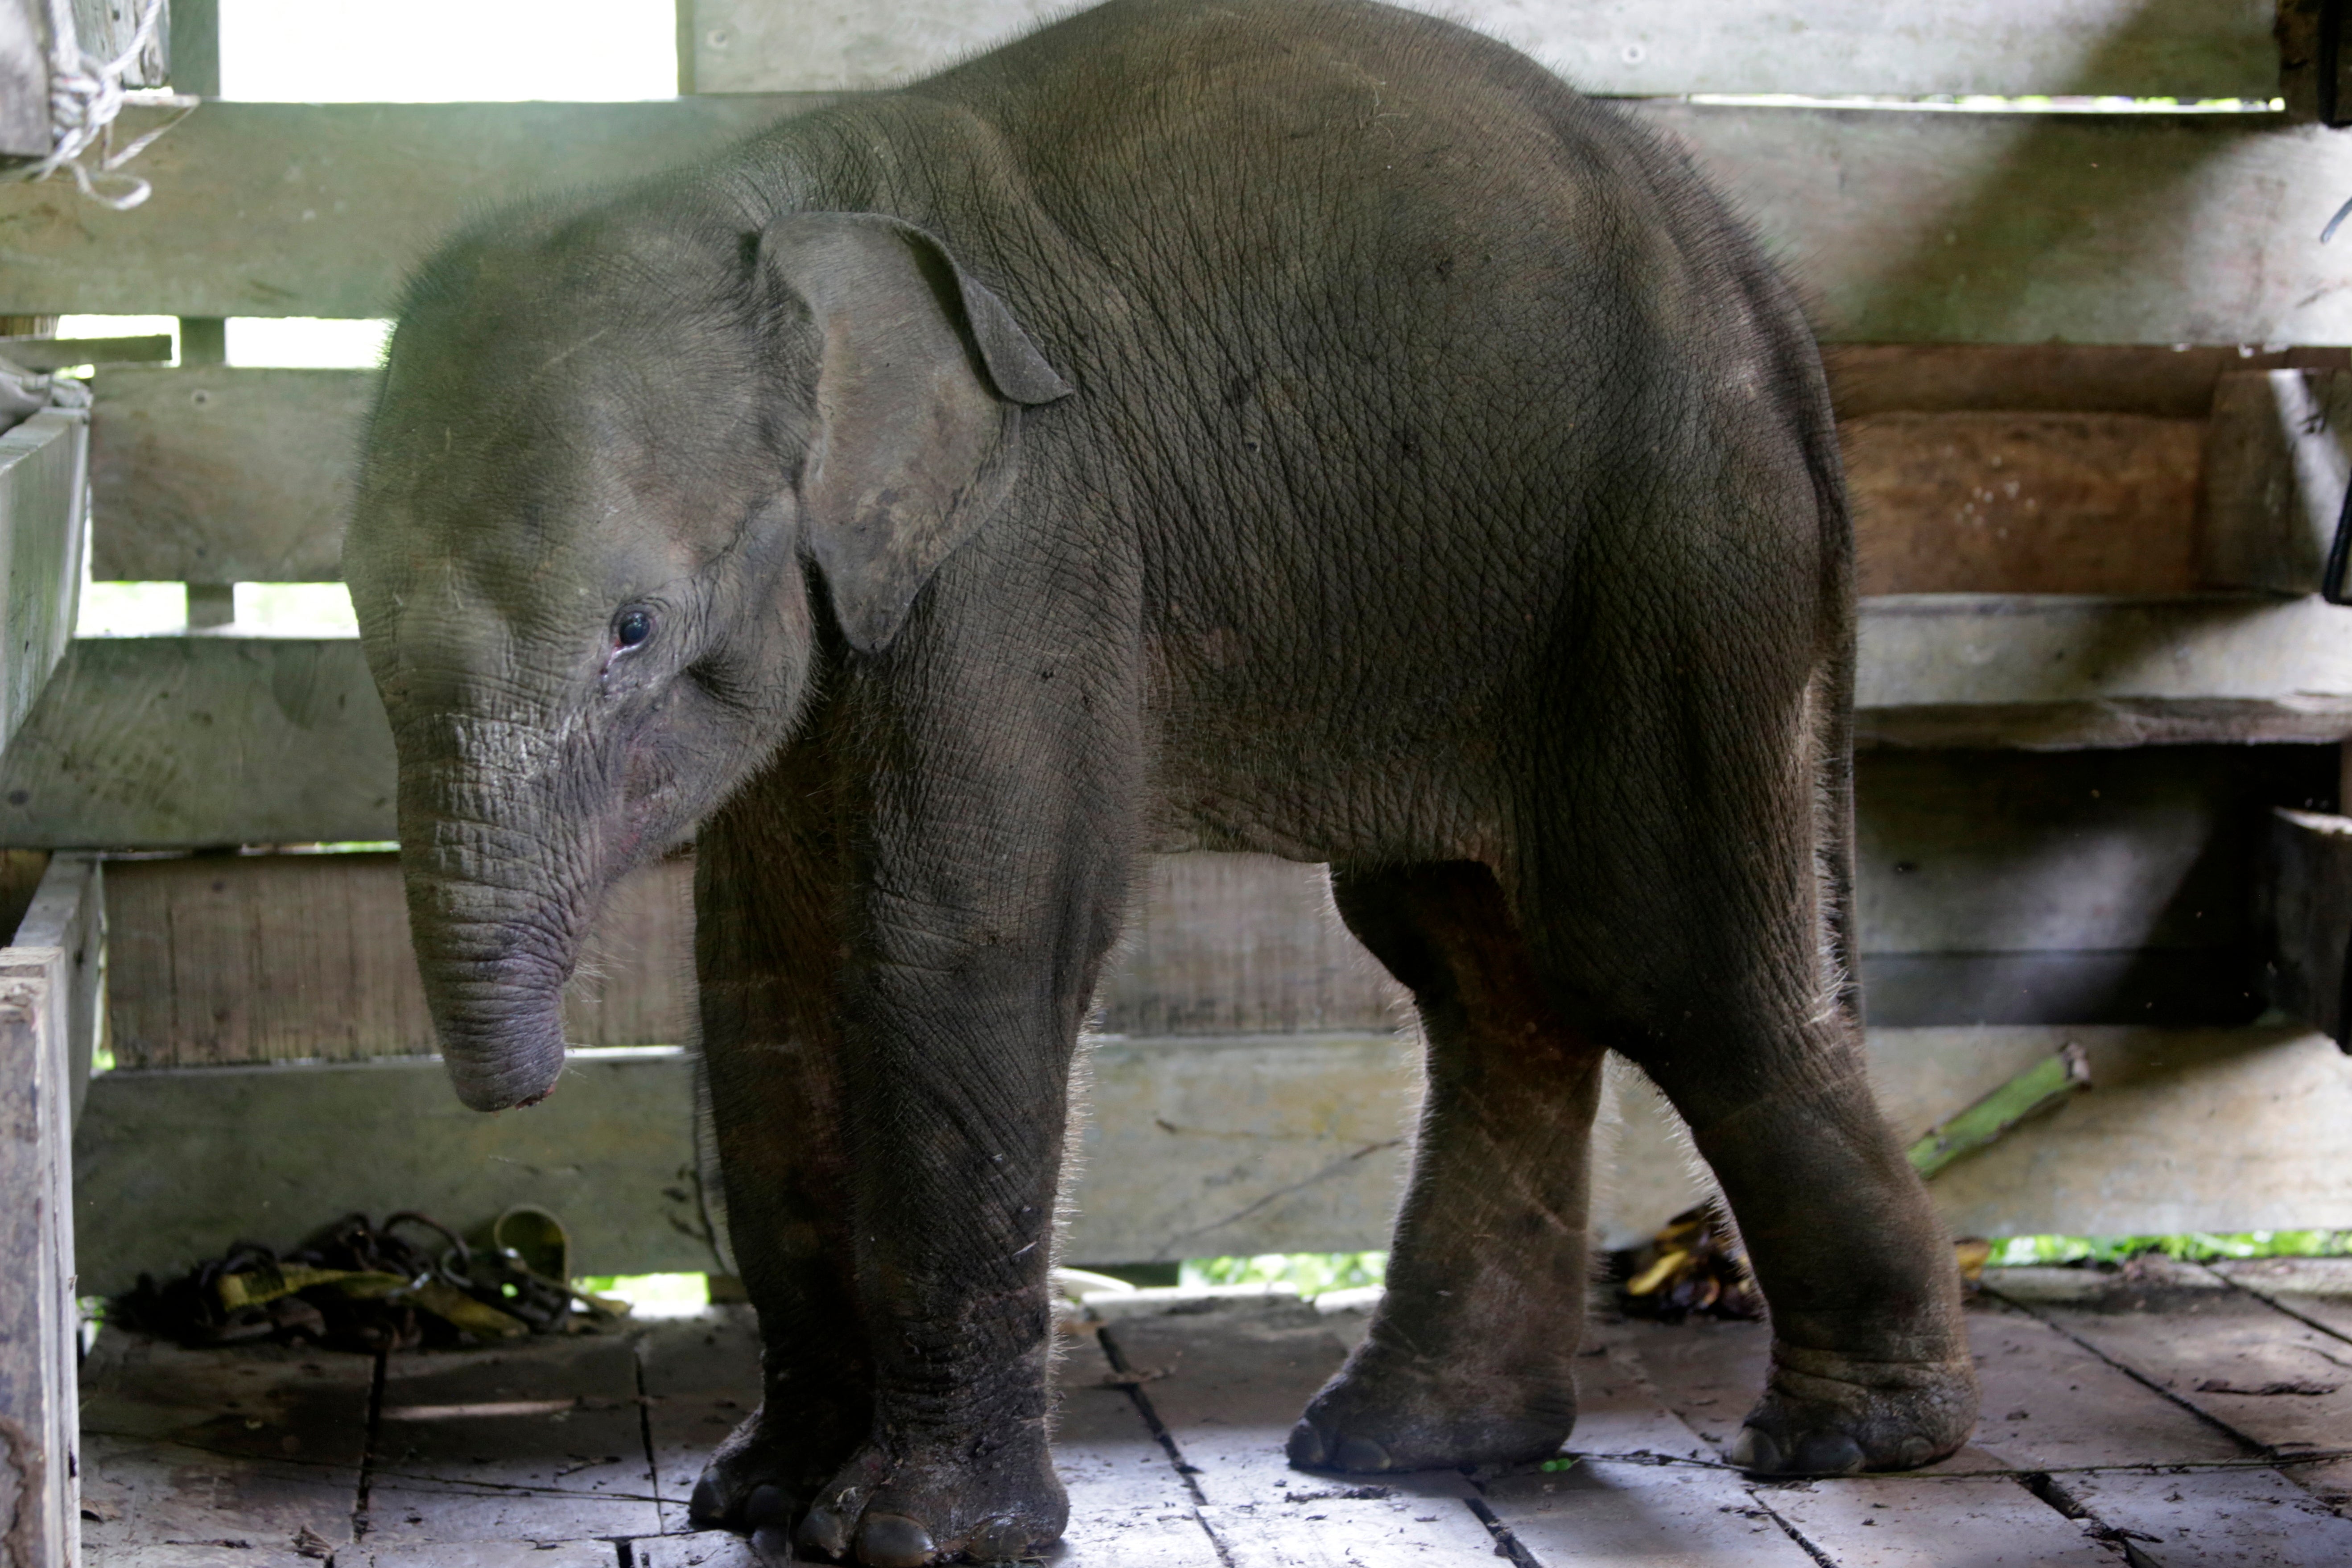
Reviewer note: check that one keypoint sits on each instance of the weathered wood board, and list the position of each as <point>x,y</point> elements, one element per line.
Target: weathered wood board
<point>2025,503</point>
<point>1228,1413</point>
<point>42,478</point>
<point>2130,1460</point>
<point>2305,920</point>
<point>180,1443</point>
<point>476,1445</point>
<point>1994,888</point>
<point>64,926</point>
<point>40,1496</point>
<point>2057,672</point>
<point>214,475</point>
<point>1907,228</point>
<point>193,741</point>
<point>1641,49</point>
<point>201,740</point>
<point>2275,468</point>
<point>24,83</point>
<point>2173,381</point>
<point>1284,1144</point>
<point>1242,944</point>
<point>283,957</point>
<point>219,475</point>
<point>176,1165</point>
<point>2276,1383</point>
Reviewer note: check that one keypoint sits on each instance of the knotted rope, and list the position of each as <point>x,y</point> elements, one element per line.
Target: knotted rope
<point>86,93</point>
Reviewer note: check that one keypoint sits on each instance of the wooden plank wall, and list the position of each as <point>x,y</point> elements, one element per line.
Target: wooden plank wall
<point>2048,491</point>
<point>1637,48</point>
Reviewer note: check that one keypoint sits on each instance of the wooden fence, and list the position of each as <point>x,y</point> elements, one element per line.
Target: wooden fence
<point>2094,665</point>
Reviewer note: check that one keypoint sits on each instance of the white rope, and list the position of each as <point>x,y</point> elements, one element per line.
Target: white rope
<point>86,93</point>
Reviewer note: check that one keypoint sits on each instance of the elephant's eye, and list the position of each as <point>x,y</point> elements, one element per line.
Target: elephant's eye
<point>631,627</point>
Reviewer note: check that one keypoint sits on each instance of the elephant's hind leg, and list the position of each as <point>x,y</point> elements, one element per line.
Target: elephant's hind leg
<point>1470,1358</point>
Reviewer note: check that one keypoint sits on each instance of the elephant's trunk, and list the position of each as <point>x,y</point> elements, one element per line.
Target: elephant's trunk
<point>497,915</point>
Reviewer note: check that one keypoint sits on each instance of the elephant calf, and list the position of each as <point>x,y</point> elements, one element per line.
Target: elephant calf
<point>1289,425</point>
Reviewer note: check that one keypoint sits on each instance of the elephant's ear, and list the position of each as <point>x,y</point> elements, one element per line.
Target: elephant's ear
<point>919,388</point>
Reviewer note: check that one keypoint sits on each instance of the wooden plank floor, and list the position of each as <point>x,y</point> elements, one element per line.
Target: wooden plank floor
<point>2170,1416</point>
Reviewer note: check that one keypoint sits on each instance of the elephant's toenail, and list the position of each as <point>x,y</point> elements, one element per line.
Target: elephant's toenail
<point>1306,1445</point>
<point>1826,1454</point>
<point>998,1540</point>
<point>773,1545</point>
<point>1755,1452</point>
<point>892,1541</point>
<point>1912,1452</point>
<point>1360,1454</point>
<point>825,1530</point>
<point>767,1505</point>
<point>707,1505</point>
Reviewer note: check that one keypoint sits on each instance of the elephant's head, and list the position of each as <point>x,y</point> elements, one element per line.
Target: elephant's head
<point>612,453</point>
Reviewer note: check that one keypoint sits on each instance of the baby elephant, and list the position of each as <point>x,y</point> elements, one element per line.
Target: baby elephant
<point>1288,426</point>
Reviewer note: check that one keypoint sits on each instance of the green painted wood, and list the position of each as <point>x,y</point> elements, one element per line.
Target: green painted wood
<point>2186,48</point>
<point>1904,227</point>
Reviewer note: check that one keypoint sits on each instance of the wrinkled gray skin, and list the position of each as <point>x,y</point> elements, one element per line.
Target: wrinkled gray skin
<point>1289,425</point>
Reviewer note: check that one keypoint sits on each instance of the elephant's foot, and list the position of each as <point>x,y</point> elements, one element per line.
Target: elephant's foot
<point>1828,1414</point>
<point>768,1469</point>
<point>999,1502</point>
<point>1389,1411</point>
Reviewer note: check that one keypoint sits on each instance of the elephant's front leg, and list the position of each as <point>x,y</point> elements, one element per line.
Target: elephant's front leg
<point>768,925</point>
<point>961,1028</point>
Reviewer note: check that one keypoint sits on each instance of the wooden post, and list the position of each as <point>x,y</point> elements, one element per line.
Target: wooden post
<point>193,52</point>
<point>39,1410</point>
<point>25,80</point>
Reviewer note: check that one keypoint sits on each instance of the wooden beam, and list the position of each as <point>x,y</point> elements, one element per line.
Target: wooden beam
<point>64,353</point>
<point>224,476</point>
<point>2025,503</point>
<point>2056,673</point>
<point>39,1323</point>
<point>198,740</point>
<point>173,1165</point>
<point>1907,228</point>
<point>1193,1147</point>
<point>2305,914</point>
<point>105,28</point>
<point>43,477</point>
<point>289,209</point>
<point>1641,49</point>
<point>258,958</point>
<point>23,79</point>
<point>2084,886</point>
<point>67,917</point>
<point>2276,461</point>
<point>2174,380</point>
<point>192,742</point>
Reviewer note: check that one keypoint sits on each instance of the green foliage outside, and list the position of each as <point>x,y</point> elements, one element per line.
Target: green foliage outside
<point>2196,1247</point>
<point>1311,1272</point>
<point>652,1295</point>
